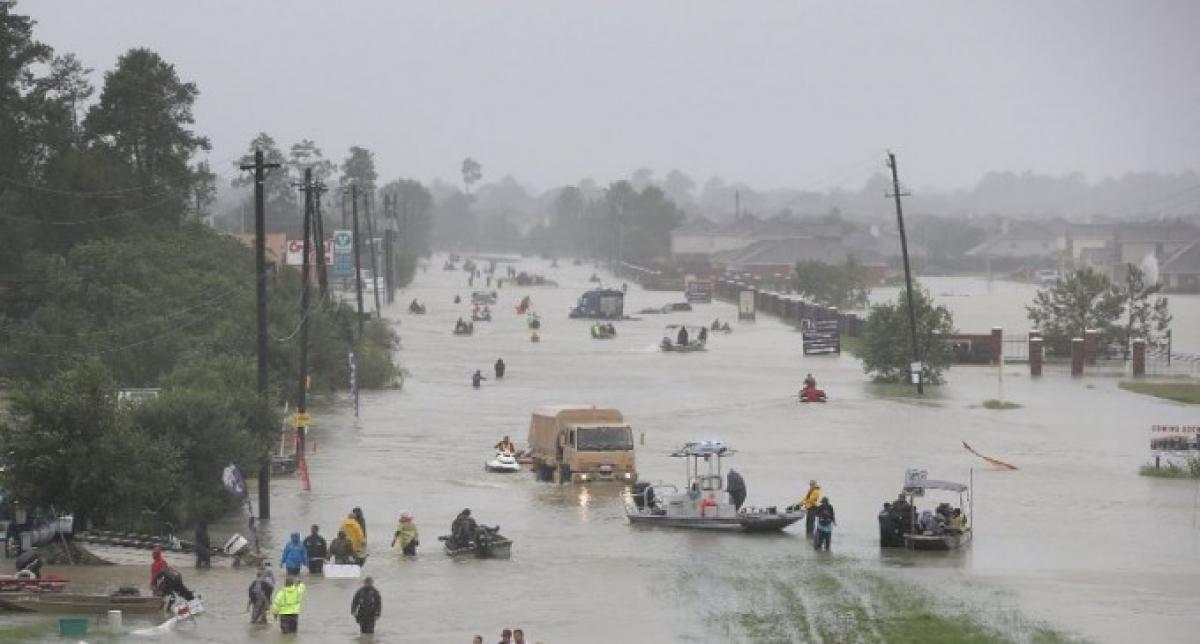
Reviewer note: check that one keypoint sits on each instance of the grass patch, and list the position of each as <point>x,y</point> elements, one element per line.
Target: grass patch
<point>1189,470</point>
<point>831,600</point>
<point>992,403</point>
<point>1184,392</point>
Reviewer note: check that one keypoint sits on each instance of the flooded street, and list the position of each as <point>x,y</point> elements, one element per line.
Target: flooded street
<point>1065,541</point>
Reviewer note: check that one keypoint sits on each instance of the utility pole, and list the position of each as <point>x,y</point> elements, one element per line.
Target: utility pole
<point>389,210</point>
<point>302,394</point>
<point>912,311</point>
<point>260,267</point>
<point>319,236</point>
<point>357,263</point>
<point>374,261</point>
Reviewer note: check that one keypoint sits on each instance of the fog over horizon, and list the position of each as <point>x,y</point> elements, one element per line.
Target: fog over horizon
<point>770,94</point>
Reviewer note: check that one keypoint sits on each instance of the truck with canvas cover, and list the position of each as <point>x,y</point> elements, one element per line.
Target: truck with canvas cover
<point>581,444</point>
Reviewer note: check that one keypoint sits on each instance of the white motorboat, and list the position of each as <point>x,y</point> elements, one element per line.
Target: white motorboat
<point>503,463</point>
<point>703,505</point>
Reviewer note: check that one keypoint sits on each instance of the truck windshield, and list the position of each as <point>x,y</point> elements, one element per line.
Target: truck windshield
<point>600,439</point>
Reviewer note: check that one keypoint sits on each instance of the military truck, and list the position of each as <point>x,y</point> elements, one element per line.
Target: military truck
<point>581,444</point>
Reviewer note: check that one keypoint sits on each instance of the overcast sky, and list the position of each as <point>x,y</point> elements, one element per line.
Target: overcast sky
<point>800,94</point>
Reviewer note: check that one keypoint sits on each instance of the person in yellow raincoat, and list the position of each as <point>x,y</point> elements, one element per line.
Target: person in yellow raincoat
<point>809,503</point>
<point>286,605</point>
<point>406,538</point>
<point>358,540</point>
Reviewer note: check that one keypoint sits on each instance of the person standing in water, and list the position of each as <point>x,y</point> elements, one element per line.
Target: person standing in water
<point>318,551</point>
<point>476,379</point>
<point>499,367</point>
<point>809,503</point>
<point>406,538</point>
<point>286,605</point>
<point>825,522</point>
<point>203,546</point>
<point>367,606</point>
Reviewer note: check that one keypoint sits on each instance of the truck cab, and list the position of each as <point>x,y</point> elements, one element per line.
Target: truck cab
<point>582,445</point>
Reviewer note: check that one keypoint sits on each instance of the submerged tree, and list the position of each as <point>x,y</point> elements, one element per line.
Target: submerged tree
<point>1146,316</point>
<point>887,353</point>
<point>1082,300</point>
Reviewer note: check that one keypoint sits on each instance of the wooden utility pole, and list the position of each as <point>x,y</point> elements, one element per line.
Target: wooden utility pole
<point>389,267</point>
<point>374,262</point>
<point>260,267</point>
<point>319,189</point>
<point>302,393</point>
<point>357,263</point>
<point>912,311</point>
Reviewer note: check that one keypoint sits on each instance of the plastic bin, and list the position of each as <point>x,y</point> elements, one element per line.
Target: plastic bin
<point>72,626</point>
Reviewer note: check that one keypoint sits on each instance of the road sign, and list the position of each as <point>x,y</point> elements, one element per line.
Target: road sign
<point>343,254</point>
<point>301,420</point>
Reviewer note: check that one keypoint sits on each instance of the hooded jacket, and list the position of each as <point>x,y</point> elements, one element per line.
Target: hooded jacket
<point>295,555</point>
<point>354,532</point>
<point>813,498</point>
<point>158,566</point>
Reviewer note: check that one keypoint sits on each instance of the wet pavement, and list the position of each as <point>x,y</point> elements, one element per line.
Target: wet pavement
<point>1074,538</point>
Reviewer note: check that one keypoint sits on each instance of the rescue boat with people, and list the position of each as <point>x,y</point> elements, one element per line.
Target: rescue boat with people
<point>702,505</point>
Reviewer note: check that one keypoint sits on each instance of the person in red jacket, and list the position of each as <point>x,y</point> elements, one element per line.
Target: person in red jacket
<point>157,567</point>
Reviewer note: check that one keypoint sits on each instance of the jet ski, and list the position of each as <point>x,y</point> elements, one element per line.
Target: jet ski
<point>812,394</point>
<point>502,463</point>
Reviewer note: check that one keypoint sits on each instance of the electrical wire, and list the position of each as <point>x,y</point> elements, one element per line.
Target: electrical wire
<point>80,222</point>
<point>80,193</point>
<point>167,317</point>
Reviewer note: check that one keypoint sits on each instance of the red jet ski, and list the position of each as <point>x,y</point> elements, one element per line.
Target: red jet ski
<point>812,394</point>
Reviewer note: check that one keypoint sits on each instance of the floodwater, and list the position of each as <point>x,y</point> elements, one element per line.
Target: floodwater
<point>1074,539</point>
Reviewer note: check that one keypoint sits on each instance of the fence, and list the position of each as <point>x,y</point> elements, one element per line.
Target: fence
<point>1161,362</point>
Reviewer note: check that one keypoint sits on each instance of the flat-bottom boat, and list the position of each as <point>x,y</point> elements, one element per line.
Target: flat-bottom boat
<point>945,541</point>
<point>702,506</point>
<point>488,544</point>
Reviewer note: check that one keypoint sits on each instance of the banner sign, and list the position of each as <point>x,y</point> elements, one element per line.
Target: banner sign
<point>233,481</point>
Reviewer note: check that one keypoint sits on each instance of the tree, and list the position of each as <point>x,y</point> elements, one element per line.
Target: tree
<point>472,172</point>
<point>282,205</point>
<point>144,116</point>
<point>887,351</point>
<point>1083,299</point>
<point>305,155</point>
<point>359,168</point>
<point>843,286</point>
<point>1146,316</point>
<point>72,447</point>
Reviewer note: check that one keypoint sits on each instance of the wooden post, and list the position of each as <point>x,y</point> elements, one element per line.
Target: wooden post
<point>1076,356</point>
<point>1035,353</point>
<point>1091,345</point>
<point>1139,357</point>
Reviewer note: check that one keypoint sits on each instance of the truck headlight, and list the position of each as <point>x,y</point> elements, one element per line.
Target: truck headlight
<point>583,477</point>
<point>628,475</point>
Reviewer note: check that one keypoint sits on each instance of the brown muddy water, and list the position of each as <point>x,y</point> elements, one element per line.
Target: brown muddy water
<point>1074,540</point>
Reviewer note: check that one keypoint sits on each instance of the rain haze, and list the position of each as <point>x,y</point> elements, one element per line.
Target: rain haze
<point>600,321</point>
<point>774,94</point>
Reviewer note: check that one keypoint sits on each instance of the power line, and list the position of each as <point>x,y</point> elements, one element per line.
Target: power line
<point>81,222</point>
<point>167,316</point>
<point>81,193</point>
<point>131,345</point>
